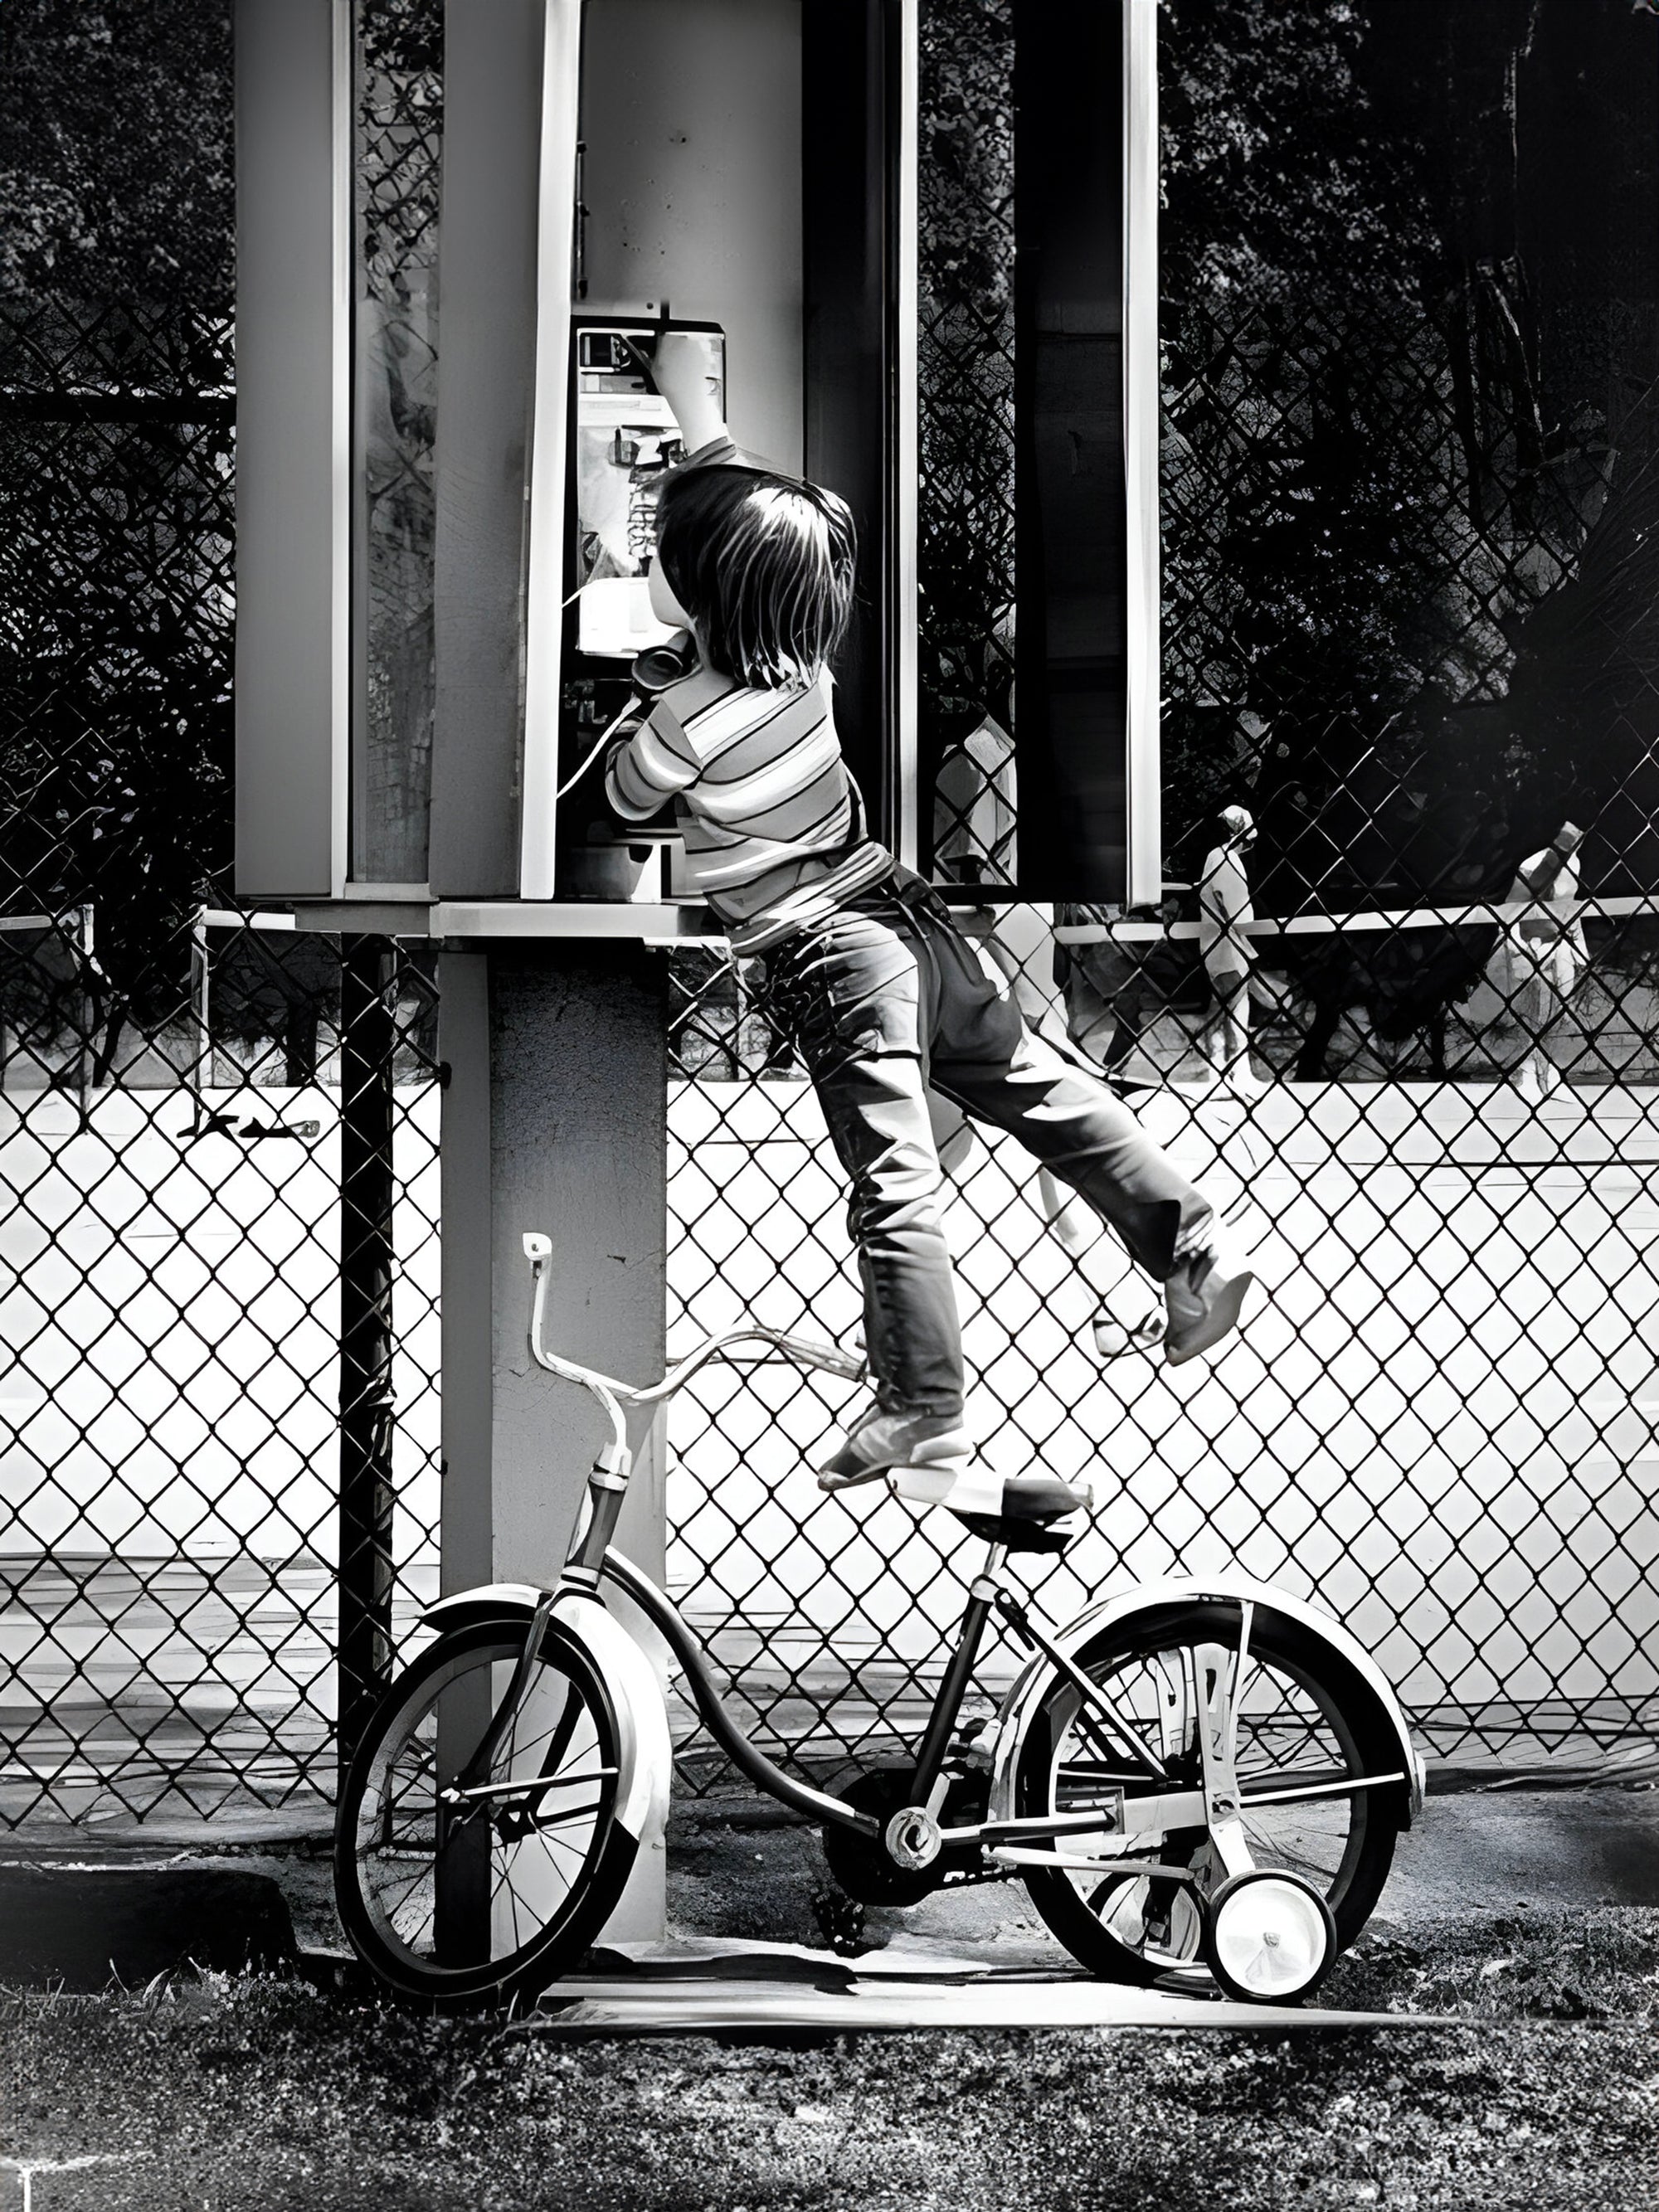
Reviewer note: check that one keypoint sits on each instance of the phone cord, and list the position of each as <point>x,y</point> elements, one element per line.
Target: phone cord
<point>599,744</point>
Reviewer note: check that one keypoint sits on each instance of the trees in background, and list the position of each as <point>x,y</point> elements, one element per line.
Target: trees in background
<point>117,424</point>
<point>1411,306</point>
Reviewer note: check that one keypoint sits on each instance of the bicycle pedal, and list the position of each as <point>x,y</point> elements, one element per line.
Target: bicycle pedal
<point>967,1755</point>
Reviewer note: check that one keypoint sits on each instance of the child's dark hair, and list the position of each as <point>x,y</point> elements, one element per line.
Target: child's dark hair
<point>762,565</point>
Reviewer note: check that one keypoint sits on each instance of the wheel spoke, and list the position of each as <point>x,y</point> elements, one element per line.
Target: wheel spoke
<point>1299,1747</point>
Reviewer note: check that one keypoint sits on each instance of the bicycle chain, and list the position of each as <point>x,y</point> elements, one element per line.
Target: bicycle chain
<point>959,1879</point>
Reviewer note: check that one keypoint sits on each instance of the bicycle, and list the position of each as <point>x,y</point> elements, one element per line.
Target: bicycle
<point>1198,1780</point>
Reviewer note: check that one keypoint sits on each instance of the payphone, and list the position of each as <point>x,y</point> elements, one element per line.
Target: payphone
<point>623,440</point>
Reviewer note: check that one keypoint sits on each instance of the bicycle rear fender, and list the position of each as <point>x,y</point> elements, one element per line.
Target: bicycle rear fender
<point>1015,1716</point>
<point>645,1752</point>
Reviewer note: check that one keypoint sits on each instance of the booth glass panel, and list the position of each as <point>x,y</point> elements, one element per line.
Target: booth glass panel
<point>397,136</point>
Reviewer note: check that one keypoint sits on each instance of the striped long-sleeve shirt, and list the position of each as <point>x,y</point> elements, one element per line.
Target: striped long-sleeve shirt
<point>774,833</point>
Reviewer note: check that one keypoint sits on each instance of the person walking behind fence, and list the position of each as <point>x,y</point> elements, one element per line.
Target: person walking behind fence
<point>1543,955</point>
<point>1223,910</point>
<point>866,973</point>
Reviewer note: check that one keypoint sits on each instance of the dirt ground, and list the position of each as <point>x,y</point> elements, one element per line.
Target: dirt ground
<point>220,2092</point>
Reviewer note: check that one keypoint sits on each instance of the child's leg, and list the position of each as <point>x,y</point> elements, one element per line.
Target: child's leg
<point>876,1111</point>
<point>1068,1118</point>
<point>1075,1124</point>
<point>850,994</point>
<point>1060,1108</point>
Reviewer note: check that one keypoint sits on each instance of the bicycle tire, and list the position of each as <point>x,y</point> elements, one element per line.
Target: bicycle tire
<point>1148,1937</point>
<point>463,1921</point>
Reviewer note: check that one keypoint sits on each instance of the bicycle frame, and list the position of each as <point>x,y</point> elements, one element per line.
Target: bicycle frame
<point>592,1558</point>
<point>925,1775</point>
<point>1214,1801</point>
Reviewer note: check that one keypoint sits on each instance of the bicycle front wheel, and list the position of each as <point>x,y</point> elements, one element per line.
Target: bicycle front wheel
<point>466,1880</point>
<point>1307,1723</point>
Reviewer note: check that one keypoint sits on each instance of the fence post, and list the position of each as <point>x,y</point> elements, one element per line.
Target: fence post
<point>86,1055</point>
<point>367,986</point>
<point>201,1060</point>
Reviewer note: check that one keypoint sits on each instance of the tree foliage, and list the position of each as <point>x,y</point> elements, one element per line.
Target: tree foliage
<point>1399,390</point>
<point>116,164</point>
<point>116,429</point>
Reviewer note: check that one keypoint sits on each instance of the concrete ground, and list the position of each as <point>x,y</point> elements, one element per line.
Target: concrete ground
<point>739,1867</point>
<point>736,1870</point>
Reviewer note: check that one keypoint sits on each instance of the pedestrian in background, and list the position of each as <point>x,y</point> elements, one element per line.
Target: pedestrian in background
<point>1224,912</point>
<point>1543,956</point>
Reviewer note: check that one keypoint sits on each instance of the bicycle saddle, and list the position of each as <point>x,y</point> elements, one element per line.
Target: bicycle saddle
<point>1018,1510</point>
<point>1031,1503</point>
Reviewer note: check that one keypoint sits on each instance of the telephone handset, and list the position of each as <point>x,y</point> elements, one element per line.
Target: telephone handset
<point>652,673</point>
<point>660,665</point>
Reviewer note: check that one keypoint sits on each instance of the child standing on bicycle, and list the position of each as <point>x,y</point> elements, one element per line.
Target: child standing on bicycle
<point>866,973</point>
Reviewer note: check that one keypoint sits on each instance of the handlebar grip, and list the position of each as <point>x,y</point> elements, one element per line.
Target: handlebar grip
<point>830,1358</point>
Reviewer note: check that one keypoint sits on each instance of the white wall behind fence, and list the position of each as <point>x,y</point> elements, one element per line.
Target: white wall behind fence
<point>169,1311</point>
<point>1441,1416</point>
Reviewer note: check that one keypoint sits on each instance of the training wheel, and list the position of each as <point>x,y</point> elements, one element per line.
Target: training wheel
<point>1268,1937</point>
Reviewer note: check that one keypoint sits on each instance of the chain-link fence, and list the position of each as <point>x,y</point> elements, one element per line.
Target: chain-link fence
<point>218,1409</point>
<point>398,143</point>
<point>218,1166</point>
<point>1407,621</point>
<point>1440,1419</point>
<point>1407,1038</point>
<point>970,791</point>
<point>116,434</point>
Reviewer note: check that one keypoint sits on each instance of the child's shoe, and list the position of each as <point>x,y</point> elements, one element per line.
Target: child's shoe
<point>1204,1297</point>
<point>881,1440</point>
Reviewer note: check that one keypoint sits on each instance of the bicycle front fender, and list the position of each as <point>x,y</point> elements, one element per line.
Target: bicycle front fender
<point>645,1752</point>
<point>1017,1706</point>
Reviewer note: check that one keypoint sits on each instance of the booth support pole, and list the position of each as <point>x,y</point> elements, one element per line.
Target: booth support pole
<point>466,1542</point>
<point>578,1150</point>
<point>555,1119</point>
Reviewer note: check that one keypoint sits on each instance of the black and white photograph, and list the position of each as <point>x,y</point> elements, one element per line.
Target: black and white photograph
<point>829,1105</point>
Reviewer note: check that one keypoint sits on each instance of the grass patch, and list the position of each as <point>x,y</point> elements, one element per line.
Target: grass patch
<point>1598,1964</point>
<point>265,2094</point>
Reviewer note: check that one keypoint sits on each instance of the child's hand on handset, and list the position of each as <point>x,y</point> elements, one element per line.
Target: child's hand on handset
<point>686,371</point>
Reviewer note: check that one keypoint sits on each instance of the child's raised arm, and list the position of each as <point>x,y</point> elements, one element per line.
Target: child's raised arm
<point>686,371</point>
<point>649,765</point>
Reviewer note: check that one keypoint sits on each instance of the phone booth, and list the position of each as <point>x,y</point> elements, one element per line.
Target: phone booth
<point>608,171</point>
<point>449,441</point>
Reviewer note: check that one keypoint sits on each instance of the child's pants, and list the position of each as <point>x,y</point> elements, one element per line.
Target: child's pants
<point>885,998</point>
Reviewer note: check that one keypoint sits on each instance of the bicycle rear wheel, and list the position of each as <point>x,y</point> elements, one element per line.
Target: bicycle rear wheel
<point>1307,1720</point>
<point>499,1891</point>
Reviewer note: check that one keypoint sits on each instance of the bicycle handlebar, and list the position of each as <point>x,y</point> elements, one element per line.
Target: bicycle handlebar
<point>828,1359</point>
